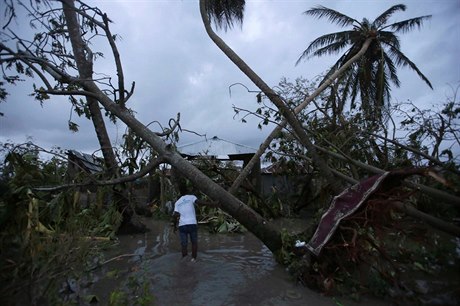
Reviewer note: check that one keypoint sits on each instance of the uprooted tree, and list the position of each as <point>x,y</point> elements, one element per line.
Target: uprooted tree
<point>61,58</point>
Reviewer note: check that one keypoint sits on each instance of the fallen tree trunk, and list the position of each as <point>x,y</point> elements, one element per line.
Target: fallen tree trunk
<point>437,223</point>
<point>435,193</point>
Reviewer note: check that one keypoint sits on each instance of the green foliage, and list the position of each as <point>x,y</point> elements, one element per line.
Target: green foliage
<point>218,221</point>
<point>286,255</point>
<point>45,237</point>
<point>135,290</point>
<point>269,207</point>
<point>40,94</point>
<point>140,289</point>
<point>118,298</point>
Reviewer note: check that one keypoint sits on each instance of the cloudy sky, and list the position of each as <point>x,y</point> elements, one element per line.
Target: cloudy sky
<point>177,68</point>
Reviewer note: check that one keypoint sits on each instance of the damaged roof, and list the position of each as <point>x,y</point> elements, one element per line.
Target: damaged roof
<point>89,162</point>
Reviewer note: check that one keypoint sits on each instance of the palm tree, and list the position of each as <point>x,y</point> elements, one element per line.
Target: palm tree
<point>370,76</point>
<point>225,13</point>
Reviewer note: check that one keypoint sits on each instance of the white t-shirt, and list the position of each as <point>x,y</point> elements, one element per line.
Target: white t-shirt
<point>185,207</point>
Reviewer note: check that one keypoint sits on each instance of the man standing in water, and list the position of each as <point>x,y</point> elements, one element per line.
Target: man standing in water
<point>184,215</point>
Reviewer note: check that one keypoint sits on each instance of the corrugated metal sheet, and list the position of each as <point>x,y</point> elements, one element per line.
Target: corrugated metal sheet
<point>215,147</point>
<point>93,165</point>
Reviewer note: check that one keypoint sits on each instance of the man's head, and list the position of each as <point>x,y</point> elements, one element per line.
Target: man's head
<point>182,186</point>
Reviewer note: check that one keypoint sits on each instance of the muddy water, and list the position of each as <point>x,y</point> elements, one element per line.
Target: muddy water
<point>232,269</point>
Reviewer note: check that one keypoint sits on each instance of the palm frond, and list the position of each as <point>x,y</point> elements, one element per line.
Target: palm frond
<point>323,42</point>
<point>386,93</point>
<point>225,13</point>
<point>388,38</point>
<point>382,88</point>
<point>328,74</point>
<point>346,85</point>
<point>350,85</point>
<point>383,18</point>
<point>339,63</point>
<point>330,49</point>
<point>402,60</point>
<point>409,24</point>
<point>365,81</point>
<point>365,71</point>
<point>355,88</point>
<point>389,65</point>
<point>333,16</point>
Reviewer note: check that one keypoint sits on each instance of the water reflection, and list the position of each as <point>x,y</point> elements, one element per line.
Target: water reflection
<point>226,265</point>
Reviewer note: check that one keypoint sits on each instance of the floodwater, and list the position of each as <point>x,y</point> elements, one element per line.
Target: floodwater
<point>232,269</point>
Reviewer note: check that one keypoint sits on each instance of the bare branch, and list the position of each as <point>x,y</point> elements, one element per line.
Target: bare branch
<point>129,178</point>
<point>413,150</point>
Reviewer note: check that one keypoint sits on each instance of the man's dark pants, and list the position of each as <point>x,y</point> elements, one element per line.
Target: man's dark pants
<point>184,232</point>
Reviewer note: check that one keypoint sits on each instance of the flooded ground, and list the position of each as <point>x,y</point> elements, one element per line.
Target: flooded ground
<point>232,269</point>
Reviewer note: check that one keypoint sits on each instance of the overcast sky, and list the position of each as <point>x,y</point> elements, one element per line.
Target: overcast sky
<point>177,68</point>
